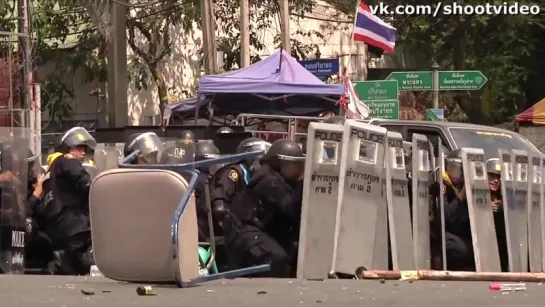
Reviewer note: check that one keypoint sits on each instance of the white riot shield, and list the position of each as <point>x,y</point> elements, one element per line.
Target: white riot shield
<point>180,151</point>
<point>510,212</point>
<point>542,201</point>
<point>420,200</point>
<point>520,168</point>
<point>397,198</point>
<point>16,160</point>
<point>361,205</point>
<point>534,213</point>
<point>440,212</point>
<point>91,169</point>
<point>481,215</point>
<point>107,156</point>
<point>320,196</point>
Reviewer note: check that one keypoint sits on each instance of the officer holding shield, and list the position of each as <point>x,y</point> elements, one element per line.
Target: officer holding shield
<point>494,168</point>
<point>458,241</point>
<point>262,223</point>
<point>232,178</point>
<point>66,202</point>
<point>204,151</point>
<point>148,145</point>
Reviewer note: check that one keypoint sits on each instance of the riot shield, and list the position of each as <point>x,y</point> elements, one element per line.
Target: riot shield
<point>542,201</point>
<point>360,200</point>
<point>440,212</point>
<point>180,151</point>
<point>108,155</point>
<point>420,200</point>
<point>520,157</point>
<point>320,193</point>
<point>91,169</point>
<point>510,212</point>
<point>397,198</point>
<point>481,215</point>
<point>534,213</point>
<point>16,158</point>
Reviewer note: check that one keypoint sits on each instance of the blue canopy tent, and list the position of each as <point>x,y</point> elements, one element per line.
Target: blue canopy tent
<point>275,85</point>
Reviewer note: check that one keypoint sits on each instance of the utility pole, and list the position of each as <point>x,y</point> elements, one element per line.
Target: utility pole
<point>285,24</point>
<point>29,102</point>
<point>435,88</point>
<point>118,110</point>
<point>244,33</point>
<point>209,37</point>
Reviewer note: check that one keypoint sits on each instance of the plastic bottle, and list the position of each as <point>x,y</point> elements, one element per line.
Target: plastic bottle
<point>95,272</point>
<point>507,287</point>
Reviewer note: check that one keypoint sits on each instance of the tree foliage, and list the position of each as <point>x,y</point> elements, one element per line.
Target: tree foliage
<point>504,47</point>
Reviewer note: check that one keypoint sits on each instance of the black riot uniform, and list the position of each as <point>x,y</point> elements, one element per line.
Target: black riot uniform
<point>66,203</point>
<point>148,145</point>
<point>232,178</point>
<point>262,223</point>
<point>493,168</point>
<point>204,150</point>
<point>459,245</point>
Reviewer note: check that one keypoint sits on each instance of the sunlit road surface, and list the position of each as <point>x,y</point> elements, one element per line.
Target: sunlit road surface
<point>63,291</point>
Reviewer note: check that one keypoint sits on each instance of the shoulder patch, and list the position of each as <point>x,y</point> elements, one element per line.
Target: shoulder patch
<point>233,175</point>
<point>443,189</point>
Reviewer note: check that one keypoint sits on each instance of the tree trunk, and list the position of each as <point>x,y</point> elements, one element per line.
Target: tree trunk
<point>471,107</point>
<point>162,90</point>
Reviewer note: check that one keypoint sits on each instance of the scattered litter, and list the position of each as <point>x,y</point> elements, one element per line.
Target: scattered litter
<point>382,280</point>
<point>409,275</point>
<point>84,292</point>
<point>106,291</point>
<point>262,292</point>
<point>209,291</point>
<point>507,287</point>
<point>145,291</point>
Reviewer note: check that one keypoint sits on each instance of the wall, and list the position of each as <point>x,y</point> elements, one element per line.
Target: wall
<point>182,69</point>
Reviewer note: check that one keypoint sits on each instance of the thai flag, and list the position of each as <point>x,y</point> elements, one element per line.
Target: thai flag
<point>372,30</point>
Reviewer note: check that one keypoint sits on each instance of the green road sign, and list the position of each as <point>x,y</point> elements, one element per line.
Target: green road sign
<point>462,80</point>
<point>376,90</point>
<point>388,109</point>
<point>413,80</point>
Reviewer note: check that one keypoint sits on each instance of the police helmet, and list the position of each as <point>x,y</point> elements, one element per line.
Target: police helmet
<point>337,120</point>
<point>148,144</point>
<point>205,151</point>
<point>454,165</point>
<point>283,150</point>
<point>75,137</point>
<point>454,156</point>
<point>493,166</point>
<point>188,135</point>
<point>253,144</point>
<point>224,130</point>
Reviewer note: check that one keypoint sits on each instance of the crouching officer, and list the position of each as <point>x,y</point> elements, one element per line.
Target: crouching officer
<point>262,224</point>
<point>204,150</point>
<point>457,228</point>
<point>66,202</point>
<point>493,169</point>
<point>232,178</point>
<point>148,145</point>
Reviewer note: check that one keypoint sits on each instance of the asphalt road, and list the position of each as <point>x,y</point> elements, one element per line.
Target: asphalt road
<point>61,291</point>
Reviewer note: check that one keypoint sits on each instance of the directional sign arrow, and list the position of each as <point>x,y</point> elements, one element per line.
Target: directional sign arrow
<point>462,80</point>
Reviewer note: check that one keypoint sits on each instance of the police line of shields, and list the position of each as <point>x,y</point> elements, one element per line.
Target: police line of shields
<point>17,163</point>
<point>361,205</point>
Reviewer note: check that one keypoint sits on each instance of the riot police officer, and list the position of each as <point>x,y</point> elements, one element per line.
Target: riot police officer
<point>493,169</point>
<point>459,245</point>
<point>66,203</point>
<point>148,145</point>
<point>188,135</point>
<point>338,120</point>
<point>232,178</point>
<point>262,224</point>
<point>204,151</point>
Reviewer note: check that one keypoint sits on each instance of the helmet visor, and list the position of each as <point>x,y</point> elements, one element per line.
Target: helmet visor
<point>78,136</point>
